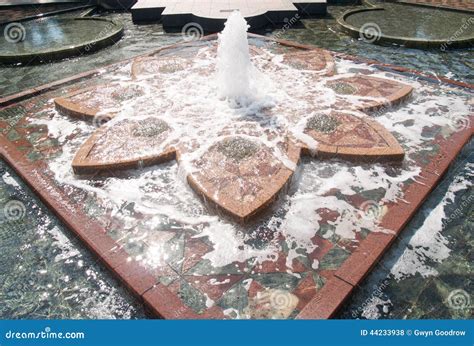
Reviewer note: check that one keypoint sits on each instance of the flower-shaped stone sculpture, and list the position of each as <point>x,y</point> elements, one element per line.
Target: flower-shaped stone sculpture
<point>237,158</point>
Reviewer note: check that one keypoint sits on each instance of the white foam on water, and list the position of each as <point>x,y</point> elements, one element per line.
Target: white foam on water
<point>112,306</point>
<point>229,246</point>
<point>9,180</point>
<point>215,282</point>
<point>209,302</point>
<point>61,127</point>
<point>107,302</point>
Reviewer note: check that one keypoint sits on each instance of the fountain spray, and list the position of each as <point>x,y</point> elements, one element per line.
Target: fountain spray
<point>234,68</point>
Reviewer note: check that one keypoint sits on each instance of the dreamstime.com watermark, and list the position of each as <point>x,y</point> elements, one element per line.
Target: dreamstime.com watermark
<point>459,299</point>
<point>464,26</point>
<point>460,211</point>
<point>104,32</point>
<point>192,32</point>
<point>13,210</point>
<point>377,293</point>
<point>45,334</point>
<point>370,32</point>
<point>14,33</point>
<point>289,23</point>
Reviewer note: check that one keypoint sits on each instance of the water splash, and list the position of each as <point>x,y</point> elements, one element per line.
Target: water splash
<point>234,68</point>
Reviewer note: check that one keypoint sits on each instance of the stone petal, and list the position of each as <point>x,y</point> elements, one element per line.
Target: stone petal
<point>124,145</point>
<point>352,137</point>
<point>244,181</point>
<point>89,103</point>
<point>368,93</point>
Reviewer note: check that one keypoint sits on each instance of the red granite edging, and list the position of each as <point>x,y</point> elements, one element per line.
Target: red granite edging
<point>327,300</point>
<point>157,297</point>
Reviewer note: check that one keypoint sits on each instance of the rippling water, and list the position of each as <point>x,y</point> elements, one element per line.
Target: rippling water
<point>45,273</point>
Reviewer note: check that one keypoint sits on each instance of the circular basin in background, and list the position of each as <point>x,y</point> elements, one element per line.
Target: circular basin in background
<point>50,39</point>
<point>411,26</point>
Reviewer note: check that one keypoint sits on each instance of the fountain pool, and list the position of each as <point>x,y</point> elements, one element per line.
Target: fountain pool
<point>400,24</point>
<point>215,266</point>
<point>49,39</point>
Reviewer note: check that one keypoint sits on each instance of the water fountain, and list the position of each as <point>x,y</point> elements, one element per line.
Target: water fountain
<point>316,124</point>
<point>235,71</point>
<point>272,141</point>
<point>210,129</point>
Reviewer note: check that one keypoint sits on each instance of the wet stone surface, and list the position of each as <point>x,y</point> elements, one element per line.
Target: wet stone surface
<point>237,148</point>
<point>323,123</point>
<point>343,88</point>
<point>150,128</point>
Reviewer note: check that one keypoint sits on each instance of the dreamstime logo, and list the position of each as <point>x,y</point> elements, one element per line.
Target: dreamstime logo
<point>100,119</point>
<point>102,33</point>
<point>192,32</point>
<point>370,32</point>
<point>459,299</point>
<point>459,122</point>
<point>281,300</point>
<point>14,33</point>
<point>289,23</point>
<point>272,303</point>
<point>370,210</point>
<point>14,210</point>
<point>46,334</point>
<point>464,26</point>
<point>459,211</point>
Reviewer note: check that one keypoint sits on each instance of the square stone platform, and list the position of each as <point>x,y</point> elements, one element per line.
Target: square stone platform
<point>186,284</point>
<point>211,14</point>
